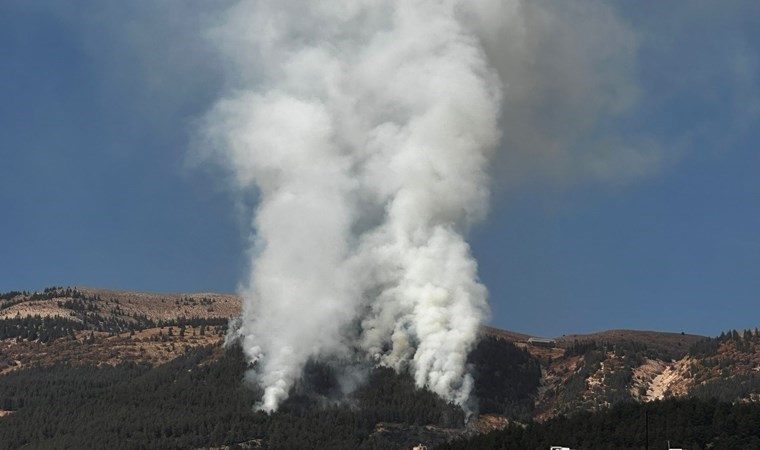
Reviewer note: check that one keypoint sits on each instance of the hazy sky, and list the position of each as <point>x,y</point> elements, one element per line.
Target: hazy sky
<point>99,105</point>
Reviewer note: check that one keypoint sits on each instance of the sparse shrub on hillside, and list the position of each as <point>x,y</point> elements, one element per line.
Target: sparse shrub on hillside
<point>731,388</point>
<point>36,328</point>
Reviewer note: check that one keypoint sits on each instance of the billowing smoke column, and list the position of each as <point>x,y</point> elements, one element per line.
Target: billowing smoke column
<point>365,128</point>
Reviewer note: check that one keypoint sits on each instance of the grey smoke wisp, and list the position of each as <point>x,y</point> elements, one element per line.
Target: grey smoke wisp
<point>366,129</point>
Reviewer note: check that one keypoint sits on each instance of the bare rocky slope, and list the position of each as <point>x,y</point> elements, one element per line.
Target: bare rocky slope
<point>595,371</point>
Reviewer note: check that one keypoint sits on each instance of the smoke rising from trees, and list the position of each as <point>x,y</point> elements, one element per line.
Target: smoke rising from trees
<point>367,130</point>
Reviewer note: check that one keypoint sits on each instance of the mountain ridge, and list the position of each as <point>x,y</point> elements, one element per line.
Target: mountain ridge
<point>234,306</point>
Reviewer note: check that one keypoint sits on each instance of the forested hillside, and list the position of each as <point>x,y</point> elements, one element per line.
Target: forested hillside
<point>93,368</point>
<point>684,423</point>
<point>199,400</point>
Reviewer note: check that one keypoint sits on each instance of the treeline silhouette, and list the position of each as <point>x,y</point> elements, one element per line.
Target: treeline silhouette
<point>743,342</point>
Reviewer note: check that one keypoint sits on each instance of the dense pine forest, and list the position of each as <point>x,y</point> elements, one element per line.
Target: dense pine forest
<point>193,401</point>
<point>686,423</point>
<point>199,400</point>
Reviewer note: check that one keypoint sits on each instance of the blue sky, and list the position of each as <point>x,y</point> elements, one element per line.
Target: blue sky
<point>98,110</point>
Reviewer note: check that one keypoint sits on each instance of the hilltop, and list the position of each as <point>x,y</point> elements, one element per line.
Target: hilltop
<point>76,303</point>
<point>82,326</point>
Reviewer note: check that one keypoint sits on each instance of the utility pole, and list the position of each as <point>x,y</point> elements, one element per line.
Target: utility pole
<point>646,426</point>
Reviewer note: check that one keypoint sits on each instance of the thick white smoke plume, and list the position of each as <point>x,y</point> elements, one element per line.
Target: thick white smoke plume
<point>366,128</point>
